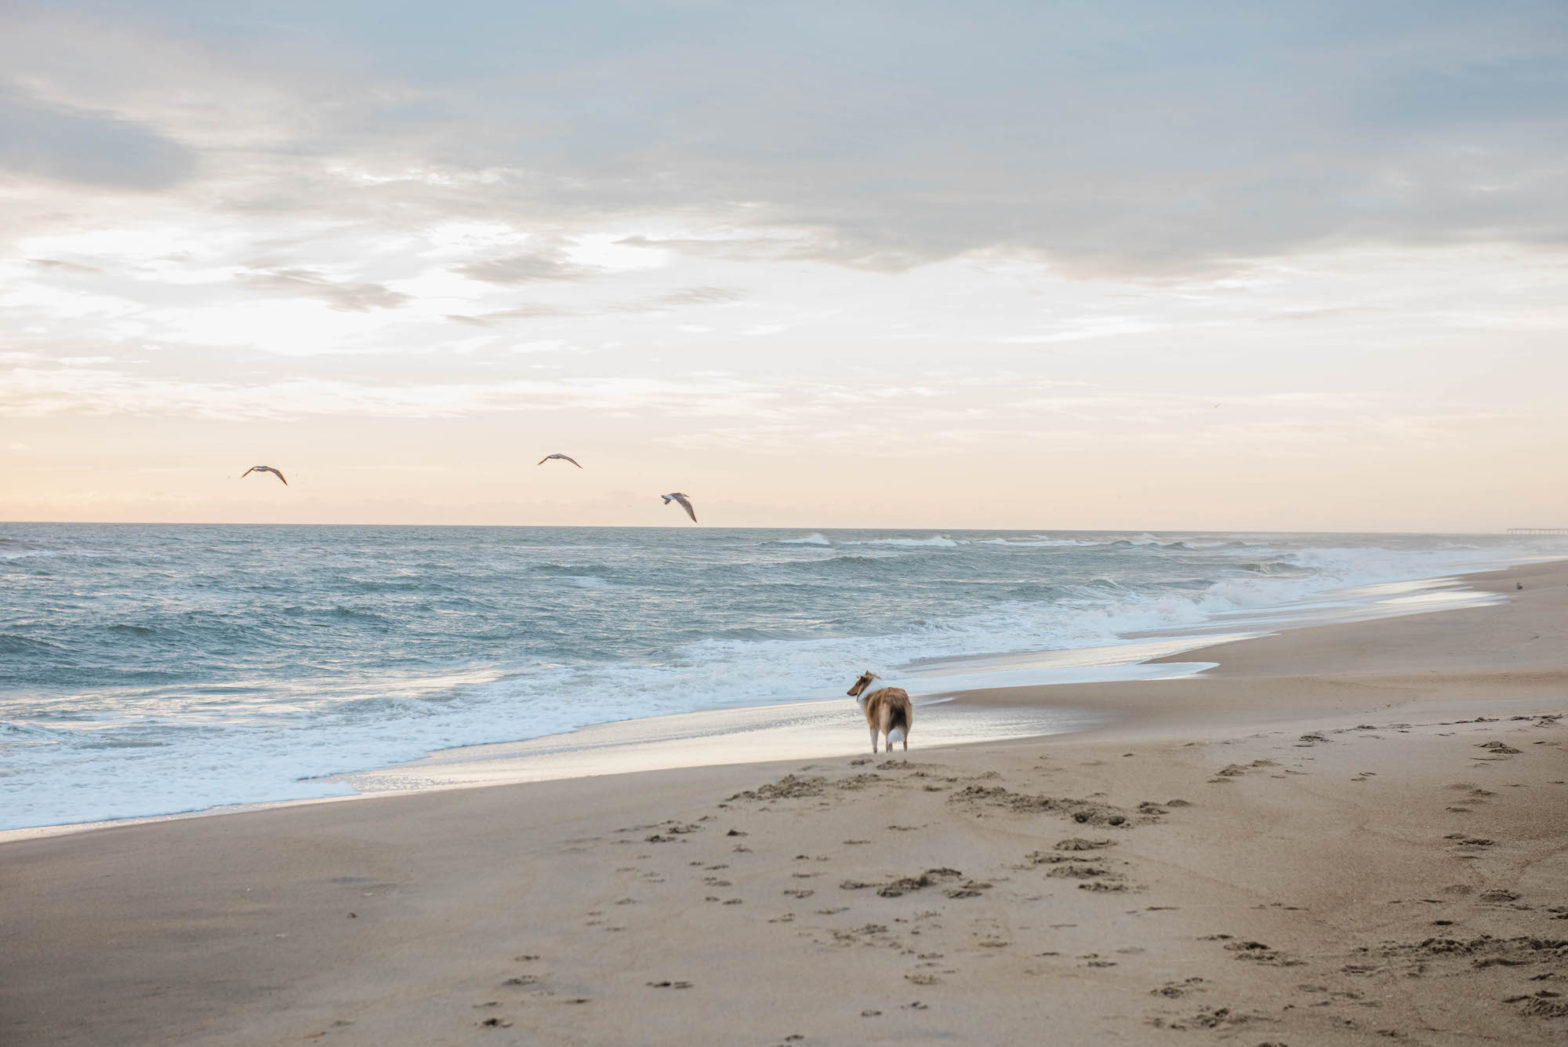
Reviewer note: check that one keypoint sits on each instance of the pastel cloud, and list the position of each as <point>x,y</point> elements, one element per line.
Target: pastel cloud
<point>750,229</point>
<point>87,147</point>
<point>347,296</point>
<point>1151,139</point>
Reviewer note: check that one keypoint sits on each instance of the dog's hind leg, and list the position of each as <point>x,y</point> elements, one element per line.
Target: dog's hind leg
<point>874,740</point>
<point>896,725</point>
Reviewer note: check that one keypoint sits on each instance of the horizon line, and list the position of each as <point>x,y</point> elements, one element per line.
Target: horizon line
<point>778,527</point>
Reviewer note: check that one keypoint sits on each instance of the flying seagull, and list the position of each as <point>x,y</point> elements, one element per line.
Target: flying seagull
<point>264,469</point>
<point>685,501</point>
<point>562,457</point>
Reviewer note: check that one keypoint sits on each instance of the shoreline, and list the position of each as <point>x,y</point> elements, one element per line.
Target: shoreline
<point>1394,670</point>
<point>797,730</point>
<point>1339,834</point>
<point>827,728</point>
<point>800,729</point>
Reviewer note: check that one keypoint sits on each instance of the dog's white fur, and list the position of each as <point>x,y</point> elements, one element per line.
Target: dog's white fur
<point>888,710</point>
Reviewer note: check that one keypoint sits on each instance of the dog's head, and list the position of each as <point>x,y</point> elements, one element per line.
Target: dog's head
<point>861,684</point>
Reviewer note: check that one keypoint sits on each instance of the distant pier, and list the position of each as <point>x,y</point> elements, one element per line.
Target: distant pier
<point>1538,530</point>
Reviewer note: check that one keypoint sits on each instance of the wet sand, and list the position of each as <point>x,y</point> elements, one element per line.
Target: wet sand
<point>1340,835</point>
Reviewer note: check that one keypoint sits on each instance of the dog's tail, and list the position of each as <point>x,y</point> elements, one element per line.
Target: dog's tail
<point>898,714</point>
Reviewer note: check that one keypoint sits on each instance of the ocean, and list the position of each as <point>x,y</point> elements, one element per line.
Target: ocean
<point>156,669</point>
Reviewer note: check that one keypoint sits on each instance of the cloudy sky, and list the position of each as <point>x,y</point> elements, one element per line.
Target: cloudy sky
<point>1039,265</point>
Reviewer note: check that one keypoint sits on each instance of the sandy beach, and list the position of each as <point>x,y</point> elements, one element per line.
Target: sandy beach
<point>1346,834</point>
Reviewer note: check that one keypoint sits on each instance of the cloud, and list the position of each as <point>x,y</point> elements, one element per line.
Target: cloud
<point>700,296</point>
<point>526,268</point>
<point>658,303</point>
<point>63,266</point>
<point>1154,140</point>
<point>522,312</point>
<point>1184,141</point>
<point>86,146</point>
<point>32,392</point>
<point>348,297</point>
<point>731,246</point>
<point>690,296</point>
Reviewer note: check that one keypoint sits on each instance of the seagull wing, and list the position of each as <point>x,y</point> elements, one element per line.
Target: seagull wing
<point>569,458</point>
<point>685,504</point>
<point>546,458</point>
<point>247,472</point>
<point>279,472</point>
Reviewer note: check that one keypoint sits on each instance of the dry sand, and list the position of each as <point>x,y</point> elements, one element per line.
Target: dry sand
<point>1342,835</point>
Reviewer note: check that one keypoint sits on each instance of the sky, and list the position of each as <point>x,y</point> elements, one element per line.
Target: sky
<point>1157,265</point>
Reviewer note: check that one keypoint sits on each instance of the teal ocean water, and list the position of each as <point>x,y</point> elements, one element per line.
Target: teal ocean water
<point>156,669</point>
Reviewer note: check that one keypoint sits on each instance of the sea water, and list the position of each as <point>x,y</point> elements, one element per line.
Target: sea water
<point>151,669</point>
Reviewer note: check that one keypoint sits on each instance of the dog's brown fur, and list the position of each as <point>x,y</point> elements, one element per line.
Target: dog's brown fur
<point>887,710</point>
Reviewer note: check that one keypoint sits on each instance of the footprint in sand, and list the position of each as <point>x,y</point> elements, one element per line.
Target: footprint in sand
<point>1257,952</point>
<point>1176,990</point>
<point>1078,843</point>
<point>1211,1018</point>
<point>1079,872</point>
<point>1469,843</point>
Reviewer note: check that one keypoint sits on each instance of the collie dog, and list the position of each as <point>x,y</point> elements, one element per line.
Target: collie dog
<point>887,710</point>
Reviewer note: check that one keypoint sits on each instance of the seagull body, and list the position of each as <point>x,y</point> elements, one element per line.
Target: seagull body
<point>264,469</point>
<point>562,457</point>
<point>685,503</point>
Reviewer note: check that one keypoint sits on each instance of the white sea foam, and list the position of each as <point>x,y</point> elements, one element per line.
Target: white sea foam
<point>809,539</point>
<point>1040,542</point>
<point>935,541</point>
